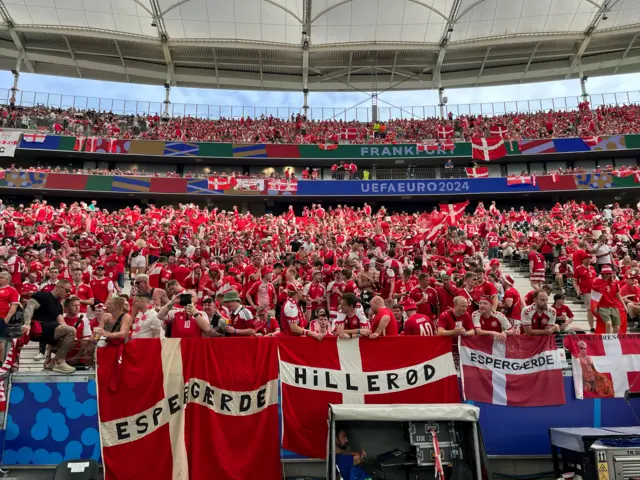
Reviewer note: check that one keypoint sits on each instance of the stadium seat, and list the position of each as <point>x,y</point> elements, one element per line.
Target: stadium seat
<point>77,470</point>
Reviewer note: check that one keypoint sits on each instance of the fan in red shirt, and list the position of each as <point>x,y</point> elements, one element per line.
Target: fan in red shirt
<point>81,290</point>
<point>446,292</point>
<point>537,266</point>
<point>487,321</point>
<point>564,315</point>
<point>511,302</point>
<point>630,293</point>
<point>101,286</point>
<point>351,321</point>
<point>417,323</point>
<point>457,320</point>
<point>425,296</point>
<point>9,301</point>
<point>584,275</point>
<point>484,288</point>
<point>186,321</point>
<point>384,323</point>
<point>610,300</point>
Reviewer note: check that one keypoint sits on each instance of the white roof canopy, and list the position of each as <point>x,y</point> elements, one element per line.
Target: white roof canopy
<point>323,45</point>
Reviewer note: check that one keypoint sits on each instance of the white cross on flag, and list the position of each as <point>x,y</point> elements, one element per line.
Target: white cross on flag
<point>523,371</point>
<point>445,131</point>
<point>521,180</point>
<point>498,130</point>
<point>358,371</point>
<point>183,409</point>
<point>453,212</point>
<point>604,365</point>
<point>219,183</point>
<point>487,149</point>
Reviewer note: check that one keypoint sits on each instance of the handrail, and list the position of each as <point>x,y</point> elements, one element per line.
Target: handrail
<point>362,114</point>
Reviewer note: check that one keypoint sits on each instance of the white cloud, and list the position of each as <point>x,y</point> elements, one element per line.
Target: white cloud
<point>66,91</point>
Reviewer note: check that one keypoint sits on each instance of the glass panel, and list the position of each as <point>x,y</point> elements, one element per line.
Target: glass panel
<point>155,108</point>
<point>596,100</point>
<point>41,99</point>
<point>546,104</point>
<point>190,111</point>
<point>225,112</point>
<point>609,99</point>
<point>511,107</point>
<point>118,106</point>
<point>130,107</point>
<point>572,103</point>
<point>634,97</point>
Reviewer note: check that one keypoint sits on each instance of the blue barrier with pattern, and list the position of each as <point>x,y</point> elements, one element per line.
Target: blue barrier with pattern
<point>48,423</point>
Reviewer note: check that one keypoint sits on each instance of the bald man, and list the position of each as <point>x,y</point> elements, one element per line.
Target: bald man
<point>384,323</point>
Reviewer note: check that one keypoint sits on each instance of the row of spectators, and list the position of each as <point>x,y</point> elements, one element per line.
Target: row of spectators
<point>345,271</point>
<point>603,120</point>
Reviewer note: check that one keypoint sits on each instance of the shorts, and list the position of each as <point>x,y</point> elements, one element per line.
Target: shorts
<point>4,330</point>
<point>139,261</point>
<point>610,315</point>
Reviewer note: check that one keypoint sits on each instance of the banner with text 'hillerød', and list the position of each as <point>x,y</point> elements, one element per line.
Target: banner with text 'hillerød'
<point>189,409</point>
<point>358,371</point>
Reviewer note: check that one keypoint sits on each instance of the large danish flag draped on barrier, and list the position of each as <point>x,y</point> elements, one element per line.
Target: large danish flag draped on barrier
<point>189,409</point>
<point>604,366</point>
<point>521,372</point>
<point>385,370</point>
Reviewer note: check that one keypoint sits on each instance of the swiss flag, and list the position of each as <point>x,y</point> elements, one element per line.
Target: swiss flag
<point>445,131</point>
<point>183,408</point>
<point>487,149</point>
<point>453,211</point>
<point>477,172</point>
<point>604,365</point>
<point>387,370</point>
<point>522,371</point>
<point>219,183</point>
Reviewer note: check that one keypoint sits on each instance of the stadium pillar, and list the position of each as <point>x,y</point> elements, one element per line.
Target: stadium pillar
<point>16,78</point>
<point>167,102</point>
<point>583,87</point>
<point>442,101</point>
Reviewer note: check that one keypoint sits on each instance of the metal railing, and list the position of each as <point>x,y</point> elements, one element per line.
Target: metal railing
<point>362,114</point>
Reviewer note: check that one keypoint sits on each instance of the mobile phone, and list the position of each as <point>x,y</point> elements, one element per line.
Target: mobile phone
<point>185,299</point>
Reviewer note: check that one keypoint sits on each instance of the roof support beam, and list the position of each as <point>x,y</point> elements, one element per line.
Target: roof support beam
<point>261,74</point>
<point>349,71</point>
<point>484,62</point>
<point>215,65</point>
<point>444,40</point>
<point>126,74</point>
<point>73,57</point>
<point>606,6</point>
<point>393,69</point>
<point>533,54</point>
<point>17,41</point>
<point>626,52</point>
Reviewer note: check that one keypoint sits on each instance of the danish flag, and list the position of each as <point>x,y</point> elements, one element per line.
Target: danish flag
<point>498,130</point>
<point>477,172</point>
<point>591,140</point>
<point>487,149</point>
<point>445,131</point>
<point>219,183</point>
<point>454,212</point>
<point>349,134</point>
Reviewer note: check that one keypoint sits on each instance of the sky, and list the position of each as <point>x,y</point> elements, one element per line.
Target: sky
<point>62,89</point>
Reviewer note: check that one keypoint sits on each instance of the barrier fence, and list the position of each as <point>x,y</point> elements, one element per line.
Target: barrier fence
<point>362,114</point>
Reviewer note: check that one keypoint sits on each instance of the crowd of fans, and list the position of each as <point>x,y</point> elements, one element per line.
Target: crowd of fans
<point>344,271</point>
<point>583,122</point>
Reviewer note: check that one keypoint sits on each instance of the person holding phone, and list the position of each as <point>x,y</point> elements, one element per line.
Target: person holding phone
<point>185,319</point>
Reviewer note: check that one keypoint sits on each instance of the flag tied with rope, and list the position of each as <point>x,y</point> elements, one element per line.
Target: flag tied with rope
<point>477,172</point>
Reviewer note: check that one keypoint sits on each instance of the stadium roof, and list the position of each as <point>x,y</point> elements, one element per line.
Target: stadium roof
<point>324,45</point>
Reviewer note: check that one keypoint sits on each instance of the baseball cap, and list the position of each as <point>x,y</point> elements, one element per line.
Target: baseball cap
<point>606,270</point>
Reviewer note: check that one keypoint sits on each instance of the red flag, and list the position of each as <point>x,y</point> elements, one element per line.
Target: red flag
<point>3,173</point>
<point>327,146</point>
<point>91,144</point>
<point>450,146</point>
<point>453,211</point>
<point>427,147</point>
<point>79,144</point>
<point>604,365</point>
<point>231,389</point>
<point>498,130</point>
<point>349,134</point>
<point>554,177</point>
<point>486,149</point>
<point>386,370</point>
<point>219,183</point>
<point>521,180</point>
<point>521,372</point>
<point>636,177</point>
<point>445,131</point>
<point>623,173</point>
<point>591,140</point>
<point>477,172</point>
